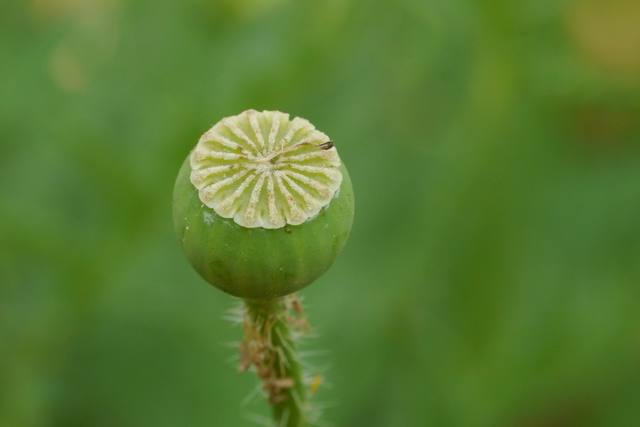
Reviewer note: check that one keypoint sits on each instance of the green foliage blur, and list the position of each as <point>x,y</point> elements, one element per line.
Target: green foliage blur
<point>493,274</point>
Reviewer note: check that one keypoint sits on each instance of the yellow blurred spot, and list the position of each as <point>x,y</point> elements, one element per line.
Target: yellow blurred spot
<point>50,9</point>
<point>66,70</point>
<point>608,34</point>
<point>316,382</point>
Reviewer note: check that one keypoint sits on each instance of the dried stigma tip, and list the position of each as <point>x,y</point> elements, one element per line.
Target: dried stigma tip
<point>264,170</point>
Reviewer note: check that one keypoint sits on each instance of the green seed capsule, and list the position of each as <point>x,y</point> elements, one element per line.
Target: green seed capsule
<point>262,205</point>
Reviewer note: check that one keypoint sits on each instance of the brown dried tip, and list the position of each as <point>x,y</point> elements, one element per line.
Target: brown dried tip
<point>327,145</point>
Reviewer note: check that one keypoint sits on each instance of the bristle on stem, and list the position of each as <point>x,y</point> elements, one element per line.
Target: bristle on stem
<point>269,348</point>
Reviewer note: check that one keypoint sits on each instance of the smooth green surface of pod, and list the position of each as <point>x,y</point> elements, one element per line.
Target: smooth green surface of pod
<point>258,262</point>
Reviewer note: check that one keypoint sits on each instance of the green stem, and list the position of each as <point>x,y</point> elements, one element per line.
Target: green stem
<point>269,346</point>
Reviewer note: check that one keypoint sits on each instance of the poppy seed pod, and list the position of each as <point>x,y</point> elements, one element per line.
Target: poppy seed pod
<point>262,205</point>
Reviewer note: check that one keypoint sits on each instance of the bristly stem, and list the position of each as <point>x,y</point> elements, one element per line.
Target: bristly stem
<point>270,328</point>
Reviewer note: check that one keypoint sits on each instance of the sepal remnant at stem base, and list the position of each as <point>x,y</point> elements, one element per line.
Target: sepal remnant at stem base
<point>271,328</point>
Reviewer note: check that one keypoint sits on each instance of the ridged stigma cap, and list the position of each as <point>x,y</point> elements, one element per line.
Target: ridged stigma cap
<point>263,169</point>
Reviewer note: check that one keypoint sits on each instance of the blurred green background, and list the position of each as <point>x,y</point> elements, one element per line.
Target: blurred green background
<point>493,273</point>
